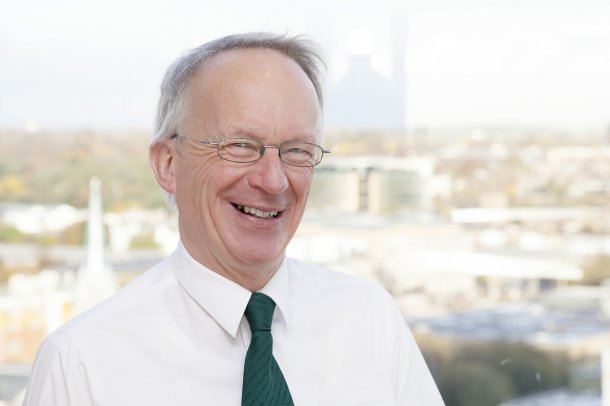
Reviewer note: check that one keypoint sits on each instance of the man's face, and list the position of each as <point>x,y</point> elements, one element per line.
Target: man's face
<point>252,93</point>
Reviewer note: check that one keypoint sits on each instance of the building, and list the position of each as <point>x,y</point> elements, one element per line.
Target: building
<point>379,185</point>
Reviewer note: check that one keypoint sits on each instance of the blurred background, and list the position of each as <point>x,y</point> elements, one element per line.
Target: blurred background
<point>470,173</point>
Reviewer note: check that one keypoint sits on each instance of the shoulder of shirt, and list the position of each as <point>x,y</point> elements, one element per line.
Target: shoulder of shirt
<point>144,288</point>
<point>323,277</point>
<point>342,292</point>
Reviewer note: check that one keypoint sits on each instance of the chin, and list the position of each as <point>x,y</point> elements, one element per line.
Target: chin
<point>260,255</point>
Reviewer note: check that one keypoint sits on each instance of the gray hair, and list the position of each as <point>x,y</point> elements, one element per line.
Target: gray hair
<point>171,107</point>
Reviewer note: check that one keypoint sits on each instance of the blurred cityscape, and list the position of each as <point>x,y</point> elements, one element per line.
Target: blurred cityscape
<point>495,243</point>
<point>470,174</point>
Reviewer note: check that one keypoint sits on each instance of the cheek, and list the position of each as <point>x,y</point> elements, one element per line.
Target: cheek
<point>194,182</point>
<point>301,184</point>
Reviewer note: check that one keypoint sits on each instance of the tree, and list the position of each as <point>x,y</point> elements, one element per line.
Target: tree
<point>487,373</point>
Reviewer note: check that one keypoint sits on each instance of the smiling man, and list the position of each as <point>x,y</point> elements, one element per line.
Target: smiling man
<point>227,319</point>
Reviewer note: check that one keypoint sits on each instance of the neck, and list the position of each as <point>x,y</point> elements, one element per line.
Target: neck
<point>250,276</point>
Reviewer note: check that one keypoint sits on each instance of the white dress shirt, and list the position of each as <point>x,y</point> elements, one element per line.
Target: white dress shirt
<point>177,335</point>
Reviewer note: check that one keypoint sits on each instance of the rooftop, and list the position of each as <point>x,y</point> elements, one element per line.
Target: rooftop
<point>532,323</point>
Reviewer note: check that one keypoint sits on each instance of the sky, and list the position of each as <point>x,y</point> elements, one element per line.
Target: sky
<point>97,64</point>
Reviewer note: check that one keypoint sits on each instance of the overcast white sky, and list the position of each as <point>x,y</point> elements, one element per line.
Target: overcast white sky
<point>97,64</point>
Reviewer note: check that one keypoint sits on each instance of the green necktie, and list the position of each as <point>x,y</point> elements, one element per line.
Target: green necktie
<point>264,383</point>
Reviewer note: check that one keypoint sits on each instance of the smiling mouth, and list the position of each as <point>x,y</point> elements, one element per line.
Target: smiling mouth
<point>256,212</point>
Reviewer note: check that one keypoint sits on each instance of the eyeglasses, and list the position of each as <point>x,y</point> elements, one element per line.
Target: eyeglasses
<point>244,150</point>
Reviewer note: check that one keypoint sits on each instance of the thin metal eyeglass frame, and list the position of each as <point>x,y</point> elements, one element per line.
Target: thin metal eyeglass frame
<point>262,150</point>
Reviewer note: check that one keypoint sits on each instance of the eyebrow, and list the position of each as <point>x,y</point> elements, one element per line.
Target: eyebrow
<point>244,132</point>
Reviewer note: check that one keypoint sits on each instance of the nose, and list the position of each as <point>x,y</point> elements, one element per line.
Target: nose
<point>269,173</point>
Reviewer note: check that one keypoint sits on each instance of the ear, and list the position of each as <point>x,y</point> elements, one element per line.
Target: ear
<point>161,157</point>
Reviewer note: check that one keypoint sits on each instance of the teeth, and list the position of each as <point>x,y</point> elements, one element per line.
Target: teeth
<point>257,212</point>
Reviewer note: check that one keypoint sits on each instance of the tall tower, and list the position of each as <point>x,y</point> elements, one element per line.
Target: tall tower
<point>364,98</point>
<point>95,281</point>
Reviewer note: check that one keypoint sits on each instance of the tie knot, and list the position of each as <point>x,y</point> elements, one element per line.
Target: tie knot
<point>259,312</point>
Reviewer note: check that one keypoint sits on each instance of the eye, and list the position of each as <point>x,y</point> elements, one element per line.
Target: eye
<point>299,153</point>
<point>295,150</point>
<point>240,150</point>
<point>299,149</point>
<point>241,144</point>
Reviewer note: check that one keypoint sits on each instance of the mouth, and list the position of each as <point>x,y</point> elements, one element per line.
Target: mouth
<point>256,212</point>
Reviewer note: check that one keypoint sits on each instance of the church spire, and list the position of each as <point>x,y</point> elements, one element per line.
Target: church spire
<point>95,280</point>
<point>95,230</point>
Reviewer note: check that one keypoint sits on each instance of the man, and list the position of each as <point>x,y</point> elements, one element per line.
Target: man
<point>237,134</point>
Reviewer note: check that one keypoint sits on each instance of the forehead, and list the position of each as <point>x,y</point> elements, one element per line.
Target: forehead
<point>250,85</point>
<point>249,64</point>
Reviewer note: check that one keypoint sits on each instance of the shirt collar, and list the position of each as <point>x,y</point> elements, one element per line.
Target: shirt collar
<point>278,289</point>
<point>224,300</point>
